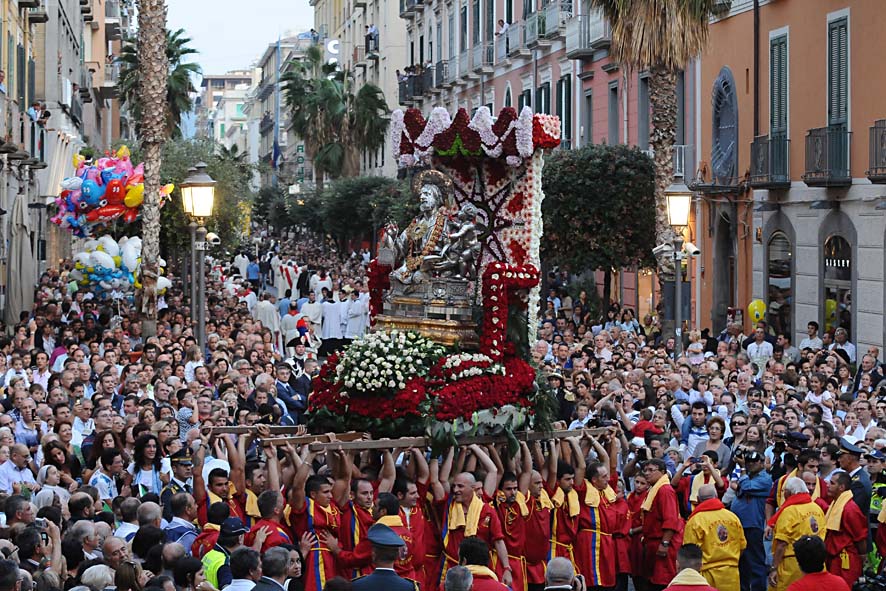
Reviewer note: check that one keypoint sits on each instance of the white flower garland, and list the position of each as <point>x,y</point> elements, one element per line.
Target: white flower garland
<point>537,230</point>
<point>383,360</point>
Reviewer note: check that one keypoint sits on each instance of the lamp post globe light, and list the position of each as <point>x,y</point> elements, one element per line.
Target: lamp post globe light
<point>679,199</point>
<point>198,201</point>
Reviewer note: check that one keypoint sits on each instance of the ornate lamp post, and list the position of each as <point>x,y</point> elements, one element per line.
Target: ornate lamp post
<point>198,199</point>
<point>679,203</point>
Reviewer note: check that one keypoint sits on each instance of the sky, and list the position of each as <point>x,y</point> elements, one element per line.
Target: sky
<point>232,34</point>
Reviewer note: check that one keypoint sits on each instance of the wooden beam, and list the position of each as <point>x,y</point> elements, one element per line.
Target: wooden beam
<point>280,430</point>
<point>405,442</point>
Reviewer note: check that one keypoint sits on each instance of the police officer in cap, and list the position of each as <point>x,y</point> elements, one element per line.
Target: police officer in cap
<point>386,547</point>
<point>182,472</point>
<point>849,457</point>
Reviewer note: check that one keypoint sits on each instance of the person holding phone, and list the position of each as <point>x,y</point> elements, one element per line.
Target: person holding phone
<point>560,576</point>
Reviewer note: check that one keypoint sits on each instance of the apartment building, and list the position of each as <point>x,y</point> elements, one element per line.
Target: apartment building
<point>371,58</point>
<point>213,88</point>
<point>797,159</point>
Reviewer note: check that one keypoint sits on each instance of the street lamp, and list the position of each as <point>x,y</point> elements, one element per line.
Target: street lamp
<point>198,200</point>
<point>679,202</point>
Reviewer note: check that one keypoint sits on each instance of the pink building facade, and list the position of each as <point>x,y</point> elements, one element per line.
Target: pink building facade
<point>554,57</point>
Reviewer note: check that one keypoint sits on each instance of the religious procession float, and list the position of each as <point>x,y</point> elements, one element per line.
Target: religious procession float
<point>455,294</point>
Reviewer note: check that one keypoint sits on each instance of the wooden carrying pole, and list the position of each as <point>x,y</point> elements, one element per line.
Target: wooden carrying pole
<point>405,442</point>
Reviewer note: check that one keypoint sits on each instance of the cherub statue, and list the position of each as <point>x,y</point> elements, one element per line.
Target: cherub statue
<point>459,258</point>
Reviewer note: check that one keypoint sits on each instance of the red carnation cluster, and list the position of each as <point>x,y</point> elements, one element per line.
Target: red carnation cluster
<point>545,131</point>
<point>463,398</point>
<point>500,280</point>
<point>379,280</point>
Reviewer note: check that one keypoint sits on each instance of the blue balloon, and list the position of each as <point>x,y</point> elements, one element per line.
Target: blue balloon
<point>92,193</point>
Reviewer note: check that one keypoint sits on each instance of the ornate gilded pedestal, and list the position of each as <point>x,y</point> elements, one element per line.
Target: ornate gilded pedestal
<point>440,309</point>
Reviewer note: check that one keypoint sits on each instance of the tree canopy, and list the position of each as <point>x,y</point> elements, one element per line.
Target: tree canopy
<point>599,208</point>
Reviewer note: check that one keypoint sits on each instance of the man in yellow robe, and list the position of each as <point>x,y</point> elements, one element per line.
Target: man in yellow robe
<point>720,535</point>
<point>798,516</point>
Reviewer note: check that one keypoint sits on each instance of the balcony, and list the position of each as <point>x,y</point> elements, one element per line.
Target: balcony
<point>555,16</point>
<point>113,30</point>
<point>516,41</point>
<point>481,58</point>
<point>108,89</point>
<point>501,49</point>
<point>37,15</point>
<point>37,145</point>
<point>411,89</point>
<point>441,74</point>
<point>585,34</point>
<point>266,124</point>
<point>28,3</point>
<point>427,80</point>
<point>464,64</point>
<point>770,162</point>
<point>359,57</point>
<point>535,29</point>
<point>450,72</point>
<point>877,155</point>
<point>407,8</point>
<point>827,157</point>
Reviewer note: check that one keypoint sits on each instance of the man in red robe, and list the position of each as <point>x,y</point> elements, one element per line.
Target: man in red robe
<point>538,529</point>
<point>386,512</point>
<point>356,519</point>
<point>595,552</point>
<point>847,531</point>
<point>811,557</point>
<point>313,510</point>
<point>513,512</point>
<point>412,496</point>
<point>270,505</point>
<point>566,500</point>
<point>662,526</point>
<point>462,515</point>
<point>473,553</point>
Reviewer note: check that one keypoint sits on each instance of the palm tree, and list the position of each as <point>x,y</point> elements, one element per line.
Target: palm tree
<point>335,123</point>
<point>660,36</point>
<point>152,80</point>
<point>179,84</point>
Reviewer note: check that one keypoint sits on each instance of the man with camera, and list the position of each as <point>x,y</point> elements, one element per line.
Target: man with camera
<point>560,576</point>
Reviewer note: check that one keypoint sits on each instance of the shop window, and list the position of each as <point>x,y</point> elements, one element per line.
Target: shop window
<point>838,284</point>
<point>780,300</point>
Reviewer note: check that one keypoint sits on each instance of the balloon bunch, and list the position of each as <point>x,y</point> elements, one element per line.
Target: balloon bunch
<point>106,266</point>
<point>99,193</point>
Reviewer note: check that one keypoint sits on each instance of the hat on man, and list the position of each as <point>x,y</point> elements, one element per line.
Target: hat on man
<point>847,446</point>
<point>876,455</point>
<point>556,375</point>
<point>382,535</point>
<point>182,457</point>
<point>232,526</point>
<point>798,439</point>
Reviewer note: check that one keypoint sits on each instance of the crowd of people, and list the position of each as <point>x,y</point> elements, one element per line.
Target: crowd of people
<point>742,463</point>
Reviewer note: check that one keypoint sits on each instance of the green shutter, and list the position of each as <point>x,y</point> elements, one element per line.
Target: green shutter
<point>838,71</point>
<point>567,107</point>
<point>778,84</point>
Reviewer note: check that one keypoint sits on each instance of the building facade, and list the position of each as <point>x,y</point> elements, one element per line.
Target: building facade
<point>213,88</point>
<point>368,39</point>
<point>805,220</point>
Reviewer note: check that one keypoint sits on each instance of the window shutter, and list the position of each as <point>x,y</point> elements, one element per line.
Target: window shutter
<point>778,85</point>
<point>838,71</point>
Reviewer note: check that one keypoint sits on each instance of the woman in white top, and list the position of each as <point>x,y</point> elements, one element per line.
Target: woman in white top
<point>193,360</point>
<point>145,471</point>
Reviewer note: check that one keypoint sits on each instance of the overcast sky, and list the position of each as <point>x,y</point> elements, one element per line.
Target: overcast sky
<point>231,34</point>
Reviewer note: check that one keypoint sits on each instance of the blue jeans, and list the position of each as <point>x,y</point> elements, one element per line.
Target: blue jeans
<point>752,564</point>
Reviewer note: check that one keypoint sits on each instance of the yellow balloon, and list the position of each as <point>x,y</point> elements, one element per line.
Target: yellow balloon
<point>830,314</point>
<point>79,266</point>
<point>100,248</point>
<point>167,189</point>
<point>77,160</point>
<point>123,152</point>
<point>135,195</point>
<point>137,283</point>
<point>757,310</point>
<point>84,282</point>
<point>117,260</point>
<point>90,269</point>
